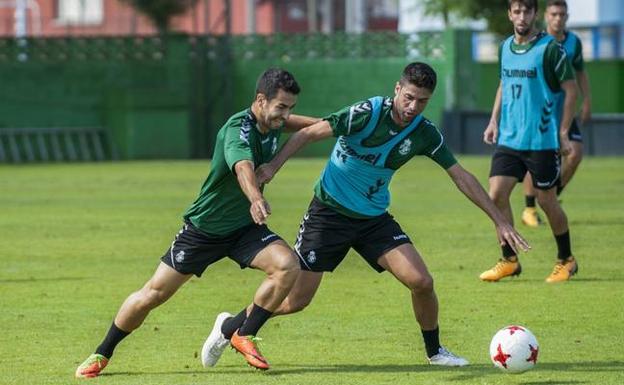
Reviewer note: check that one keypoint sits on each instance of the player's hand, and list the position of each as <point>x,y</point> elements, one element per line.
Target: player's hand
<point>490,135</point>
<point>564,144</point>
<point>507,235</point>
<point>260,211</point>
<point>585,112</point>
<point>264,173</point>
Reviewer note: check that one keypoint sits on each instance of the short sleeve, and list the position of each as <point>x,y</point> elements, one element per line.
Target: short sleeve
<point>350,120</point>
<point>436,148</point>
<point>236,144</point>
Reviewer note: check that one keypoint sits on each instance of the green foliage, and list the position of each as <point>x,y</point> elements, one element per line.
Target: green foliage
<point>493,11</point>
<point>160,12</point>
<point>76,239</point>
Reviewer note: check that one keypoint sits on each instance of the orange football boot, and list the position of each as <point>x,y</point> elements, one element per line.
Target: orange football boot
<point>246,345</point>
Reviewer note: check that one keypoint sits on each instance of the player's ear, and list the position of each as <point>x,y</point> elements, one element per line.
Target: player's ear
<point>397,88</point>
<point>261,99</point>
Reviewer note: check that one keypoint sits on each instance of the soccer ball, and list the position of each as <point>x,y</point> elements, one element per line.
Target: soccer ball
<point>514,349</point>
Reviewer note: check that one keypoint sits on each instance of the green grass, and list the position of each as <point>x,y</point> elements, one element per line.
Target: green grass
<point>75,240</point>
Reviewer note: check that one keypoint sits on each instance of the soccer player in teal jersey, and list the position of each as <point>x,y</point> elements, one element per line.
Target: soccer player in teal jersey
<point>349,209</point>
<point>228,219</point>
<point>535,105</point>
<point>556,16</point>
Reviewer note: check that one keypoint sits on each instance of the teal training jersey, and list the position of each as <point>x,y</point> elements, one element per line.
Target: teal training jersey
<point>221,206</point>
<point>369,149</point>
<point>530,108</point>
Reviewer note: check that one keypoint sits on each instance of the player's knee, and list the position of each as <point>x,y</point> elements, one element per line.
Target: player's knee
<point>151,297</point>
<point>423,284</point>
<point>499,199</point>
<point>286,267</point>
<point>575,157</point>
<point>547,203</point>
<point>294,305</point>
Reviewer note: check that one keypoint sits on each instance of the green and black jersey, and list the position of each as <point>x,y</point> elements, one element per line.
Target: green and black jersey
<point>574,49</point>
<point>349,123</point>
<point>221,206</point>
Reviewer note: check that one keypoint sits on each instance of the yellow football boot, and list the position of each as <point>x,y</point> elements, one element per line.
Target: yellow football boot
<point>563,271</point>
<point>504,268</point>
<point>530,217</point>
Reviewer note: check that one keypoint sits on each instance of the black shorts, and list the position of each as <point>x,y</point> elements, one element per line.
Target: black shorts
<point>544,166</point>
<point>192,250</point>
<point>574,133</point>
<point>325,236</point>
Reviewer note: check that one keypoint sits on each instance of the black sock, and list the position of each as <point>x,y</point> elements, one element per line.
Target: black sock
<point>113,337</point>
<point>432,341</point>
<point>529,201</point>
<point>563,246</point>
<point>508,253</point>
<point>232,324</point>
<point>257,317</point>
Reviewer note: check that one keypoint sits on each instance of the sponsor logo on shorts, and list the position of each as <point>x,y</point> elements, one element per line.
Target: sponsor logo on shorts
<point>268,237</point>
<point>544,184</point>
<point>311,256</point>
<point>399,237</point>
<point>179,257</point>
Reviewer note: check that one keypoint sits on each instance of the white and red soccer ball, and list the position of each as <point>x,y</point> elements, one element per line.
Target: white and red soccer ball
<point>514,349</point>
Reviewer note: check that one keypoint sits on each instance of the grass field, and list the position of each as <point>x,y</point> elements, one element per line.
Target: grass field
<point>75,240</point>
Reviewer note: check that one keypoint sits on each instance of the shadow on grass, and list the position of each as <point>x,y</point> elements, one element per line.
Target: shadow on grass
<point>462,373</point>
<point>33,279</point>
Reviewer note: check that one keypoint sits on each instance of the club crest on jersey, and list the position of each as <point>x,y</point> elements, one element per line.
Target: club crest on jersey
<point>405,147</point>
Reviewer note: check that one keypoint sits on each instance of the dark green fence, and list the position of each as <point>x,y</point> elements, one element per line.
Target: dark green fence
<point>154,97</point>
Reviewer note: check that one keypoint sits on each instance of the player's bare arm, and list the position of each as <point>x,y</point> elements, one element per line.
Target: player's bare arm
<point>260,209</point>
<point>491,131</point>
<point>583,82</point>
<point>317,131</point>
<point>470,186</point>
<point>569,104</point>
<point>297,122</point>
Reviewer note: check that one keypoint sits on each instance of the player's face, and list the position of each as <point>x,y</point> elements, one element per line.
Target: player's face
<point>409,101</point>
<point>522,18</point>
<point>276,111</point>
<point>556,17</point>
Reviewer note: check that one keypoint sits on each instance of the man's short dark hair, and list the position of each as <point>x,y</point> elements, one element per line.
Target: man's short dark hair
<point>557,3</point>
<point>530,4</point>
<point>419,74</point>
<point>275,79</point>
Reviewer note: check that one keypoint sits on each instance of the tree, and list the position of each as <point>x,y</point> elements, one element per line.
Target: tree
<point>493,11</point>
<point>160,12</point>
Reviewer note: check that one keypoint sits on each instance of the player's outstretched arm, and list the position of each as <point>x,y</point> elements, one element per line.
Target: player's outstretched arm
<point>490,135</point>
<point>297,122</point>
<point>317,131</point>
<point>470,186</point>
<point>260,209</point>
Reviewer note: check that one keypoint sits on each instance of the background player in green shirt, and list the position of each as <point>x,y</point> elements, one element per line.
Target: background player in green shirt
<point>556,16</point>
<point>227,219</point>
<point>532,113</point>
<point>349,210</point>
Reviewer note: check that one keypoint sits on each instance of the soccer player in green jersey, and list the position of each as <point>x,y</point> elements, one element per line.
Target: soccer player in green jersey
<point>532,114</point>
<point>228,219</point>
<point>556,16</point>
<point>349,209</point>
